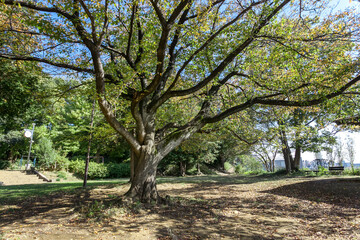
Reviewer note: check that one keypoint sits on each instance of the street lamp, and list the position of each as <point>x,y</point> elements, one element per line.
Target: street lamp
<point>29,134</point>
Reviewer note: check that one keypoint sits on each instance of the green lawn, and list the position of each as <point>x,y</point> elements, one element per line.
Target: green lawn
<point>13,193</point>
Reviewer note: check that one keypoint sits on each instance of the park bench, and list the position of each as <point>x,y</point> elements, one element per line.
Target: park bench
<point>337,169</point>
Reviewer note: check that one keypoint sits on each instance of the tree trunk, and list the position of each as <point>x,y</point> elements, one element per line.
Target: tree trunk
<point>198,169</point>
<point>89,146</point>
<point>222,162</point>
<point>297,158</point>
<point>182,166</point>
<point>9,155</point>
<point>143,181</point>
<point>289,162</point>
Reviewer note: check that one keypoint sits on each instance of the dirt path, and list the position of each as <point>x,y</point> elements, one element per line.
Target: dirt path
<point>297,208</point>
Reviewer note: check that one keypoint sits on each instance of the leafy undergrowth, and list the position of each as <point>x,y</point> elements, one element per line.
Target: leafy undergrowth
<point>227,207</point>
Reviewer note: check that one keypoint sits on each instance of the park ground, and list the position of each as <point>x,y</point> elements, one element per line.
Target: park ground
<point>200,207</point>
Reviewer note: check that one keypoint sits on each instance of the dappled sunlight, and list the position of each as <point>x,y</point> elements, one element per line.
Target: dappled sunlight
<point>280,208</point>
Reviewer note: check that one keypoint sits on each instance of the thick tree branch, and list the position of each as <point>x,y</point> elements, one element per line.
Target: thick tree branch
<point>161,49</point>
<point>232,55</point>
<point>208,41</point>
<point>241,138</point>
<point>278,102</point>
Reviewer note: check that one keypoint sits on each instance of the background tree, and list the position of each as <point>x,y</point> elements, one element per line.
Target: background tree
<point>351,151</point>
<point>219,56</point>
<point>22,90</point>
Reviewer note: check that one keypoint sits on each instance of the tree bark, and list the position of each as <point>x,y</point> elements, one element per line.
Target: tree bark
<point>297,158</point>
<point>89,146</point>
<point>289,162</point>
<point>143,180</point>
<point>182,166</point>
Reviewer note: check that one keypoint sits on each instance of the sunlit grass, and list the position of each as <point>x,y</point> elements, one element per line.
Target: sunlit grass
<point>14,193</point>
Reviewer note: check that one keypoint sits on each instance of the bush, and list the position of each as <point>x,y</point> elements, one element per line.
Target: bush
<point>249,164</point>
<point>99,170</point>
<point>281,171</point>
<point>171,169</point>
<point>96,171</point>
<point>227,166</point>
<point>118,170</point>
<point>323,171</point>
<point>62,163</point>
<point>77,166</point>
<point>62,175</point>
<point>240,169</point>
<point>4,164</point>
<point>355,171</point>
<point>46,154</point>
<point>256,172</point>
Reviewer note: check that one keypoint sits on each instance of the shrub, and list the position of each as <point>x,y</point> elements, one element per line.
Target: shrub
<point>281,171</point>
<point>4,164</point>
<point>355,171</point>
<point>249,164</point>
<point>255,172</point>
<point>62,163</point>
<point>100,170</point>
<point>227,166</point>
<point>46,154</point>
<point>323,170</point>
<point>118,170</point>
<point>62,175</point>
<point>240,169</point>
<point>77,166</point>
<point>96,171</point>
<point>171,169</point>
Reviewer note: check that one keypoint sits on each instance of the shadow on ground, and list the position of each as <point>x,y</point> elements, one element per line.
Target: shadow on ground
<point>343,192</point>
<point>214,207</point>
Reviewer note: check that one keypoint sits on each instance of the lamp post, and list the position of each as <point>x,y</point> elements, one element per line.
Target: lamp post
<point>29,134</point>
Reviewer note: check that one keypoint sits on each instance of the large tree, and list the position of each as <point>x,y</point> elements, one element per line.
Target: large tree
<point>207,59</point>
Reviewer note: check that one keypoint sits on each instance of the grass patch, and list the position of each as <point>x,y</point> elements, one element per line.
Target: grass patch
<point>13,193</point>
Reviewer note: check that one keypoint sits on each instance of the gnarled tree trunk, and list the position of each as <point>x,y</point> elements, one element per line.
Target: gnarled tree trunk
<point>143,180</point>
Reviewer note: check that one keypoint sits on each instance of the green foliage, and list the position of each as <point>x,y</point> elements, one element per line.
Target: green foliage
<point>4,164</point>
<point>352,172</point>
<point>171,169</point>
<point>46,154</point>
<point>99,170</point>
<point>48,158</point>
<point>323,171</point>
<point>249,164</point>
<point>204,169</point>
<point>170,164</point>
<point>93,210</point>
<point>118,170</point>
<point>280,172</point>
<point>62,175</point>
<point>62,162</point>
<point>227,166</point>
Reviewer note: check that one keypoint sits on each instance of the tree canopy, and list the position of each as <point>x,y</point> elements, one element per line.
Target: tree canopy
<point>199,61</point>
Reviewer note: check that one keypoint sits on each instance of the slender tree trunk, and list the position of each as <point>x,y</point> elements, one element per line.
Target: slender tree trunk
<point>182,166</point>
<point>89,146</point>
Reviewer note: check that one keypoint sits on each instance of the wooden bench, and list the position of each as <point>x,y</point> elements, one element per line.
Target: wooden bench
<point>337,169</point>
